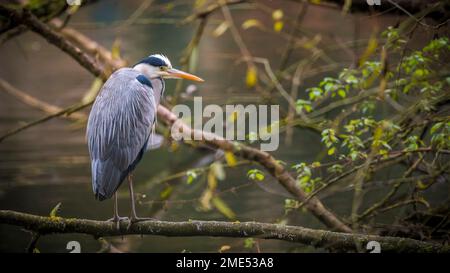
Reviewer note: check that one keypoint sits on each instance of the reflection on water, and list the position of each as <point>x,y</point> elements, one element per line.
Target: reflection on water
<point>49,163</point>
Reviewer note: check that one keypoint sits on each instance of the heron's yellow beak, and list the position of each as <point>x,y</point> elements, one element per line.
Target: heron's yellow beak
<point>178,74</point>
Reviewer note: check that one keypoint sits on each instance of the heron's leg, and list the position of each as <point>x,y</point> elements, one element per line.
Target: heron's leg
<point>133,205</point>
<point>134,218</point>
<point>116,208</point>
<point>116,218</point>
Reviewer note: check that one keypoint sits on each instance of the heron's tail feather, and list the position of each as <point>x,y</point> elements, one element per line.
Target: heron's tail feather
<point>106,178</point>
<point>100,197</point>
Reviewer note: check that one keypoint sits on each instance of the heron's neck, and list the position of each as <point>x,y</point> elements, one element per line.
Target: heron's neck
<point>158,88</point>
<point>158,84</point>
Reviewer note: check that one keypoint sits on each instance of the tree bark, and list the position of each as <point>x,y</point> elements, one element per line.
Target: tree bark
<point>317,238</point>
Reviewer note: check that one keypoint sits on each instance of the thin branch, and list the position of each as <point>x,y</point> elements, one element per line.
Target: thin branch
<point>275,81</point>
<point>25,17</point>
<point>135,15</point>
<point>88,45</point>
<point>380,162</point>
<point>67,111</point>
<point>388,6</point>
<point>316,238</point>
<point>37,103</point>
<point>33,242</point>
<point>416,19</point>
<point>187,55</point>
<point>391,193</point>
<point>296,82</point>
<point>209,10</point>
<point>291,42</point>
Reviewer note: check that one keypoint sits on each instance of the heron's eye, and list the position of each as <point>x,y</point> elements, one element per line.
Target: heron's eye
<point>163,68</point>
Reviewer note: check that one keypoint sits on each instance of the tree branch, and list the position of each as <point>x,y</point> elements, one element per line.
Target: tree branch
<point>318,238</point>
<point>25,17</point>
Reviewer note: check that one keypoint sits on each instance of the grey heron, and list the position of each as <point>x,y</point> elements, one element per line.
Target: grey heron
<point>121,122</point>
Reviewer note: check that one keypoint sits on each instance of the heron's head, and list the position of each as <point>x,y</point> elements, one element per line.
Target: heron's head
<point>159,66</point>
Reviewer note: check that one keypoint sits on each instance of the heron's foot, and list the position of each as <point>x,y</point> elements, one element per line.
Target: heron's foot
<point>135,219</point>
<point>116,220</point>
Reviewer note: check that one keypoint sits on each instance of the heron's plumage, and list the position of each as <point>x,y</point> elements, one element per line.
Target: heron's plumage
<point>157,60</point>
<point>119,127</point>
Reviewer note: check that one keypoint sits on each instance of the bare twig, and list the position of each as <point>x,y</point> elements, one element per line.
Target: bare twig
<point>88,45</point>
<point>66,111</point>
<point>25,17</point>
<point>291,42</point>
<point>187,55</point>
<point>135,15</point>
<point>391,193</point>
<point>36,103</point>
<point>209,10</point>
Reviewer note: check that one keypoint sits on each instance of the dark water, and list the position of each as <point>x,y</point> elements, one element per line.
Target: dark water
<point>49,163</point>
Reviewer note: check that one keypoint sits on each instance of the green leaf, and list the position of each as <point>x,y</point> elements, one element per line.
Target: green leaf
<point>315,93</point>
<point>277,14</point>
<point>255,175</point>
<point>331,150</point>
<point>166,192</point>
<point>436,127</point>
<point>303,105</point>
<point>290,204</point>
<point>223,208</point>
<point>55,210</point>
<point>252,23</point>
<point>315,164</point>
<point>278,26</point>
<point>221,29</point>
<point>191,176</point>
<point>252,77</point>
<point>304,179</point>
<point>336,168</point>
<point>252,137</point>
<point>230,159</point>
<point>328,87</point>
<point>249,243</point>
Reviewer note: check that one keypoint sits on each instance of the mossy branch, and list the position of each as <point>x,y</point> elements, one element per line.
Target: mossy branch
<point>317,238</point>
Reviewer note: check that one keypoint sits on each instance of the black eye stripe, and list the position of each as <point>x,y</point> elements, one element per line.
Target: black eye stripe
<point>154,61</point>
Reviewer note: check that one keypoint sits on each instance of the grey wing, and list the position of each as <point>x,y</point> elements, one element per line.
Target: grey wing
<point>118,129</point>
